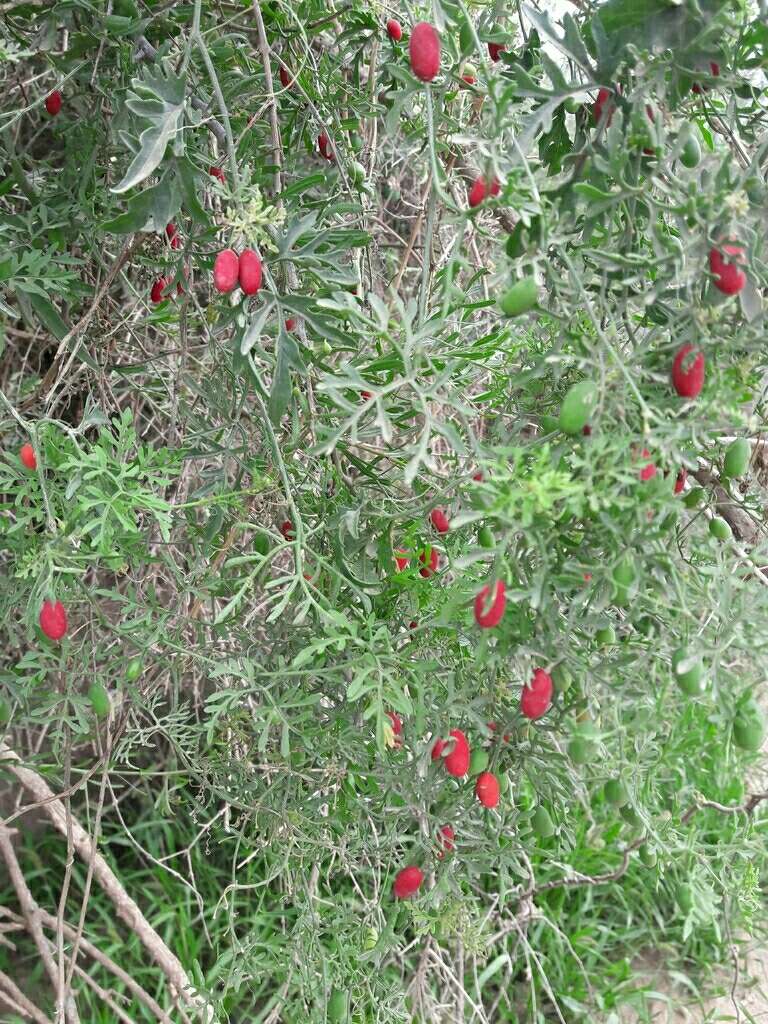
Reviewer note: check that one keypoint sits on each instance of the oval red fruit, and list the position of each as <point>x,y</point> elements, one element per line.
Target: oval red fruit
<point>173,236</point>
<point>156,293</point>
<point>603,106</point>
<point>445,838</point>
<point>249,272</point>
<point>286,528</point>
<point>226,270</point>
<point>487,789</point>
<point>325,147</point>
<point>424,49</point>
<point>53,103</point>
<point>53,619</point>
<point>682,476</point>
<point>729,277</point>
<point>457,762</point>
<point>407,882</point>
<point>428,565</point>
<point>401,559</point>
<point>216,172</point>
<point>440,520</point>
<point>290,323</point>
<point>285,79</point>
<point>688,371</point>
<point>489,611</point>
<point>28,457</point>
<point>648,472</point>
<point>394,30</point>
<point>480,190</point>
<point>469,79</point>
<point>397,722</point>
<point>494,49</point>
<point>536,696</point>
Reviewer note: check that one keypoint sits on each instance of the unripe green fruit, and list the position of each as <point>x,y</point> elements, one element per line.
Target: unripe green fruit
<point>582,750</point>
<point>630,815</point>
<point>561,678</point>
<point>624,573</point>
<point>605,636</point>
<point>371,938</point>
<point>691,154</point>
<point>749,727</point>
<point>684,898</point>
<point>578,405</point>
<point>694,497</point>
<point>337,1006</point>
<point>521,297</point>
<point>648,855</point>
<point>688,672</point>
<point>542,823</point>
<point>719,529</point>
<point>572,105</point>
<point>261,543</point>
<point>99,699</point>
<point>356,173</point>
<point>485,537</point>
<point>478,761</point>
<point>133,671</point>
<point>737,456</point>
<point>615,792</point>
<point>549,424</point>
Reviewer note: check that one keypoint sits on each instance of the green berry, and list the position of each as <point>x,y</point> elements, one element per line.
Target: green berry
<point>688,671</point>
<point>521,297</point>
<point>578,405</point>
<point>615,792</point>
<point>719,529</point>
<point>737,456</point>
<point>542,823</point>
<point>99,699</point>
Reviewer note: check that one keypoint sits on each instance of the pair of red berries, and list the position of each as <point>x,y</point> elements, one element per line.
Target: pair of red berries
<point>481,188</point>
<point>430,560</point>
<point>456,763</point>
<point>229,270</point>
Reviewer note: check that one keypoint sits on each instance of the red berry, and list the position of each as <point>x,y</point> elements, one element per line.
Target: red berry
<point>285,79</point>
<point>424,49</point>
<point>682,476</point>
<point>494,49</point>
<point>457,761</point>
<point>477,476</point>
<point>394,30</point>
<point>156,294</point>
<point>325,147</point>
<point>287,530</point>
<point>413,624</point>
<point>648,472</point>
<point>688,371</point>
<point>216,172</point>
<point>53,619</point>
<point>488,615</point>
<point>602,105</point>
<point>714,67</point>
<point>397,723</point>
<point>249,272</point>
<point>587,577</point>
<point>226,270</point>
<point>729,278</point>
<point>401,559</point>
<point>480,190</point>
<point>445,838</point>
<point>536,695</point>
<point>290,324</point>
<point>28,457</point>
<point>487,789</point>
<point>429,566</point>
<point>586,430</point>
<point>440,520</point>
<point>407,882</point>
<point>53,103</point>
<point>469,79</point>
<point>173,236</point>
<point>366,395</point>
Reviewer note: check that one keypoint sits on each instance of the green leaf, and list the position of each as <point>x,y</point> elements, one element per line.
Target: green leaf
<point>48,315</point>
<point>158,97</point>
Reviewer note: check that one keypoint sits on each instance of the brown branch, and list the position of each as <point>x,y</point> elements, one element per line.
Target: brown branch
<point>264,50</point>
<point>127,909</point>
<point>19,1002</point>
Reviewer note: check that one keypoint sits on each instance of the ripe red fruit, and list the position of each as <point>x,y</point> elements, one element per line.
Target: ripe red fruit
<point>28,457</point>
<point>445,838</point>
<point>469,79</point>
<point>226,270</point>
<point>477,476</point>
<point>536,695</point>
<point>401,559</point>
<point>53,619</point>
<point>480,189</point>
<point>714,67</point>
<point>286,528</point>
<point>729,278</point>
<point>648,472</point>
<point>688,371</point>
<point>216,172</point>
<point>487,789</point>
<point>394,30</point>
<point>603,106</point>
<point>586,430</point>
<point>489,614</point>
<point>494,49</point>
<point>397,722</point>
<point>290,323</point>
<point>53,103</point>
<point>156,294</point>
<point>173,236</point>
<point>424,49</point>
<point>440,520</point>
<point>407,882</point>
<point>682,476</point>
<point>285,79</point>
<point>249,272</point>
<point>429,567</point>
<point>457,762</point>
<point>366,395</point>
<point>325,147</point>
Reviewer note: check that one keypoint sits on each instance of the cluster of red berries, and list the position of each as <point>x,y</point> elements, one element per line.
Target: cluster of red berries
<point>535,700</point>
